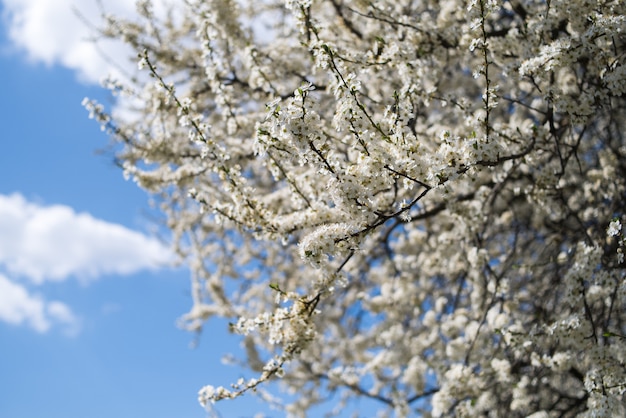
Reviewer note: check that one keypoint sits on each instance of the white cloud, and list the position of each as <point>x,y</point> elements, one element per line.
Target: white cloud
<point>18,307</point>
<point>53,243</point>
<point>51,31</point>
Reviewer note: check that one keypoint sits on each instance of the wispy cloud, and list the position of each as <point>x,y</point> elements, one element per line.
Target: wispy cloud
<point>19,307</point>
<point>41,243</point>
<point>52,243</point>
<point>58,32</point>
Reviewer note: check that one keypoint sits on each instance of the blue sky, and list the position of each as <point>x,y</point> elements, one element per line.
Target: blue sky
<point>87,310</point>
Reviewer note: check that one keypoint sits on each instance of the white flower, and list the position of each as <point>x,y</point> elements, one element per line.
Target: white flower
<point>614,229</point>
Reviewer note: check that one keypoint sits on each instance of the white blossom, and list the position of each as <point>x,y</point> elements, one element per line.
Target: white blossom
<point>416,203</point>
<point>615,227</point>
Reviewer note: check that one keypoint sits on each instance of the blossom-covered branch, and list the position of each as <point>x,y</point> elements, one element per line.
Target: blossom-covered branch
<point>419,204</point>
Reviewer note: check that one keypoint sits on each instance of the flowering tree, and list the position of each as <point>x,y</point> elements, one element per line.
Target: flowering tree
<point>415,202</point>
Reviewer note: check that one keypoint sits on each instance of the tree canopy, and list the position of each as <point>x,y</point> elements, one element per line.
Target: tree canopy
<point>418,202</point>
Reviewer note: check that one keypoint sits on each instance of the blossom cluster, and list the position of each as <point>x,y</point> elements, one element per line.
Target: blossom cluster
<point>419,204</point>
